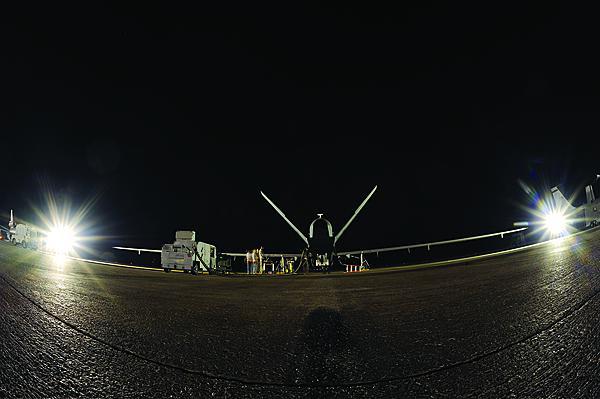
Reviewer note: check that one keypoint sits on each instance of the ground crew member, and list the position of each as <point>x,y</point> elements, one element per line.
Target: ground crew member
<point>251,259</point>
<point>255,261</point>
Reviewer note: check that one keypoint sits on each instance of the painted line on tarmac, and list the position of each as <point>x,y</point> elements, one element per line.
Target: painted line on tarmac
<point>97,262</point>
<point>469,258</point>
<point>152,269</point>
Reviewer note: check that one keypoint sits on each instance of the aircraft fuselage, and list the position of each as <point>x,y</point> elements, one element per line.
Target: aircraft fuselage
<point>321,243</point>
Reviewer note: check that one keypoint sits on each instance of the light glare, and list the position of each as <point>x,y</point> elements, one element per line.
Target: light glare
<point>556,224</point>
<point>61,240</point>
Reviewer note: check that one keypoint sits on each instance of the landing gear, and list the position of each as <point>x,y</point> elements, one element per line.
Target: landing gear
<point>194,270</point>
<point>316,262</point>
<point>167,270</point>
<point>305,262</point>
<point>323,262</point>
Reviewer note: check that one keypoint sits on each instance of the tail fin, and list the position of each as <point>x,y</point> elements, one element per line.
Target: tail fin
<point>11,222</point>
<point>589,194</point>
<point>285,218</point>
<point>337,237</point>
<point>560,202</point>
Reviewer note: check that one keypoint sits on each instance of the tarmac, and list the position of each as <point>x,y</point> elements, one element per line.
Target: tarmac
<point>518,324</point>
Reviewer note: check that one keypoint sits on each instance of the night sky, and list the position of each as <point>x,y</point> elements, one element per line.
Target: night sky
<point>175,118</point>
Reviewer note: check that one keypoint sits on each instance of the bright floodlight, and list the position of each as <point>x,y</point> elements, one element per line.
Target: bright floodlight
<point>555,223</point>
<point>61,240</point>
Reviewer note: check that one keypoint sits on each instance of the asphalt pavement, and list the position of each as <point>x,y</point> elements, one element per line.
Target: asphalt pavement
<point>524,324</point>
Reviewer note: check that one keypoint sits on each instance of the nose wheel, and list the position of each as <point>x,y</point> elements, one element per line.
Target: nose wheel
<point>315,262</point>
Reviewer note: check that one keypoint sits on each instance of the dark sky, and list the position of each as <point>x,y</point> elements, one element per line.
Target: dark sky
<point>175,117</point>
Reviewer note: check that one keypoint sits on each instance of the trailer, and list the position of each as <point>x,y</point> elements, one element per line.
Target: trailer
<point>26,236</point>
<point>188,255</point>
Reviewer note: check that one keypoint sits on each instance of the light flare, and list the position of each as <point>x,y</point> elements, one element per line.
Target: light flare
<point>61,239</point>
<point>549,220</point>
<point>556,223</point>
<point>66,228</point>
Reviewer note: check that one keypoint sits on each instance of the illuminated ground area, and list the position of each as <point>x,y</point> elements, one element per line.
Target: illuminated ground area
<point>526,324</point>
